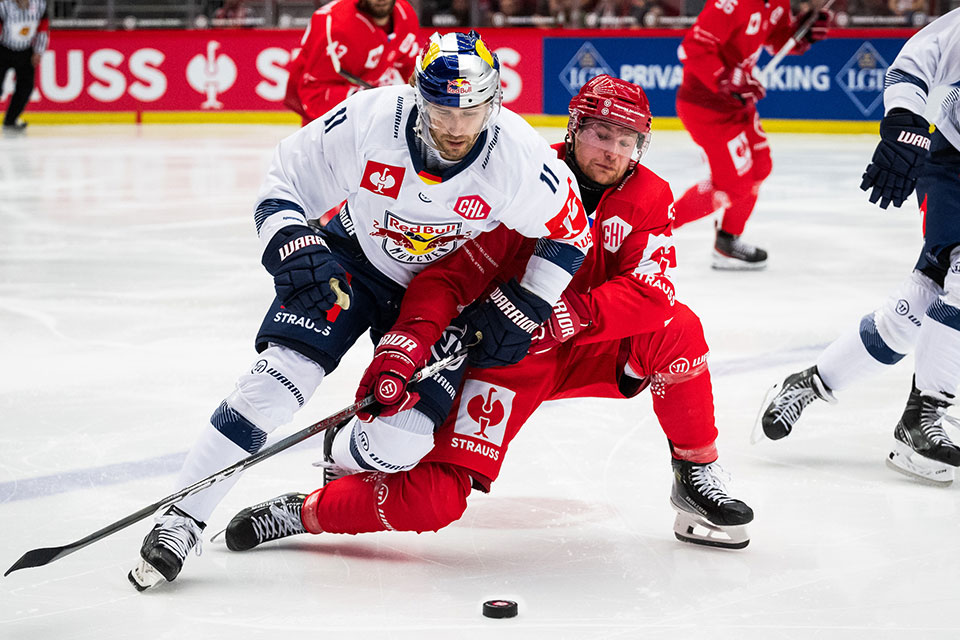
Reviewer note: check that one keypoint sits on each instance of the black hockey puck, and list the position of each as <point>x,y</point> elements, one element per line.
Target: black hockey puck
<point>500,608</point>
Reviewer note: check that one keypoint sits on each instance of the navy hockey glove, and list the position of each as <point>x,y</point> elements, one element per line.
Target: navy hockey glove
<point>507,320</point>
<point>898,159</point>
<point>302,268</point>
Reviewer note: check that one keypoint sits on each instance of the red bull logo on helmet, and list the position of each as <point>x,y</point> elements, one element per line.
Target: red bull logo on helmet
<point>459,86</point>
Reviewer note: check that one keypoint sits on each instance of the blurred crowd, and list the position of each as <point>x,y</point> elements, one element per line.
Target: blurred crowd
<point>570,14</point>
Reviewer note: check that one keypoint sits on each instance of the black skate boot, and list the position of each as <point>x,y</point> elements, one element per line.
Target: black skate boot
<point>921,447</point>
<point>730,253</point>
<point>165,548</point>
<point>270,520</point>
<point>784,403</point>
<point>705,513</point>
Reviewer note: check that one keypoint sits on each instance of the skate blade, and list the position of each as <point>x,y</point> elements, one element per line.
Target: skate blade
<point>144,576</point>
<point>758,434</point>
<point>905,460</point>
<point>721,262</point>
<point>697,530</point>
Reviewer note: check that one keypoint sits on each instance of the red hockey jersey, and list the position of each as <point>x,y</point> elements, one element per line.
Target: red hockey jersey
<point>340,34</point>
<point>625,275</point>
<point>726,35</point>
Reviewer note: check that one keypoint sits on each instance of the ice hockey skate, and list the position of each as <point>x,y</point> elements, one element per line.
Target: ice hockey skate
<point>705,513</point>
<point>921,448</point>
<point>784,403</point>
<point>165,548</point>
<point>271,520</point>
<point>730,253</point>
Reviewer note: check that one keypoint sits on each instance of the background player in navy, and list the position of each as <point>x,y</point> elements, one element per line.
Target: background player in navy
<point>924,313</point>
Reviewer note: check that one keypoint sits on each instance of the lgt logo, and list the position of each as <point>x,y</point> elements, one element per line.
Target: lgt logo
<point>211,75</point>
<point>862,78</point>
<point>472,207</point>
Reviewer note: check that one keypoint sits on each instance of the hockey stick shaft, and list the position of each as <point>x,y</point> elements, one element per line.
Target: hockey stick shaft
<point>795,39</point>
<point>46,555</point>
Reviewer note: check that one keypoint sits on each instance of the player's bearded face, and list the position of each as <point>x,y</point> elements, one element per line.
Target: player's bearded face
<point>603,150</point>
<point>455,130</point>
<point>377,8</point>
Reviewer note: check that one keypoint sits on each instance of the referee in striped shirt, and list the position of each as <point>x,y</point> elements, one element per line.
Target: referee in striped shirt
<point>24,34</point>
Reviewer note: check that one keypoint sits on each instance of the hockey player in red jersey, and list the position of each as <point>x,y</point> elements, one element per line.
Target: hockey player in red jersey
<point>351,45</point>
<point>616,330</point>
<point>717,104</point>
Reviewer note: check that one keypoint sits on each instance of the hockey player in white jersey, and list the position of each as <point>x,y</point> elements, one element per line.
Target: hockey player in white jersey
<point>924,312</point>
<point>419,170</point>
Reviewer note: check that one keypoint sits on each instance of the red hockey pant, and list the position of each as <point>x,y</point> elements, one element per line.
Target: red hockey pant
<point>736,148</point>
<point>495,403</point>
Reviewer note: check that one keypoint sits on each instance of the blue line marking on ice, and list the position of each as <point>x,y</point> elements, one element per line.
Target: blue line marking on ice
<point>42,486</point>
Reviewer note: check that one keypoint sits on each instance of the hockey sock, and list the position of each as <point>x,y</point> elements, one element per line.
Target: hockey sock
<point>849,360</point>
<point>741,206</point>
<point>685,411</point>
<point>427,498</point>
<point>699,201</point>
<point>383,444</point>
<point>938,349</point>
<point>211,452</point>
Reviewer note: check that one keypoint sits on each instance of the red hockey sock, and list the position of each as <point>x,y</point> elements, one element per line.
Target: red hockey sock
<point>741,206</point>
<point>427,498</point>
<point>699,201</point>
<point>685,411</point>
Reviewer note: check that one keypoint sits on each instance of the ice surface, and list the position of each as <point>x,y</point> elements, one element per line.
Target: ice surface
<point>130,292</point>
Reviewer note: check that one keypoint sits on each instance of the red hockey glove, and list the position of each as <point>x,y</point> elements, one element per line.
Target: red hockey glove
<point>395,361</point>
<point>571,315</point>
<point>743,86</point>
<point>821,26</point>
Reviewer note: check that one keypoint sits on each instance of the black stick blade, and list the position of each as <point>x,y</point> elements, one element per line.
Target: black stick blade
<point>36,558</point>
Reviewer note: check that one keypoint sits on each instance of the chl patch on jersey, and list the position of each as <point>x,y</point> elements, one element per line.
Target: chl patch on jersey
<point>472,207</point>
<point>415,243</point>
<point>484,411</point>
<point>614,230</point>
<point>740,153</point>
<point>382,179</point>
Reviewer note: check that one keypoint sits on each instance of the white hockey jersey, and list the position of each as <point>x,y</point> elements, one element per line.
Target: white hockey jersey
<point>405,217</point>
<point>929,59</point>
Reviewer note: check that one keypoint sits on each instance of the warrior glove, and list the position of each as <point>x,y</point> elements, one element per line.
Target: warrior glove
<point>821,26</point>
<point>303,271</point>
<point>507,320</point>
<point>898,159</point>
<point>571,315</point>
<point>395,362</point>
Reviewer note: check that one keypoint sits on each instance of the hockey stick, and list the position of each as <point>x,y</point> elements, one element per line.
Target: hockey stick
<point>335,61</point>
<point>795,39</point>
<point>46,555</point>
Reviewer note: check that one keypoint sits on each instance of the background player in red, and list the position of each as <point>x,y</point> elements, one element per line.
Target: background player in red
<point>351,45</point>
<point>717,104</point>
<point>616,330</point>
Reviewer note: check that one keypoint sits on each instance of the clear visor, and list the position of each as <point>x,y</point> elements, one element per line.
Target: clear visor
<point>609,138</point>
<point>465,122</point>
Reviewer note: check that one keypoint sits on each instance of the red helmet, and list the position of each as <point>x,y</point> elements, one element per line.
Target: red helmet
<point>616,101</point>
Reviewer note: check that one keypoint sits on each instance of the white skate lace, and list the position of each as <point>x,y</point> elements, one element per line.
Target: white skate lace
<point>279,522</point>
<point>791,402</point>
<point>708,480</point>
<point>179,534</point>
<point>332,471</point>
<point>933,430</point>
